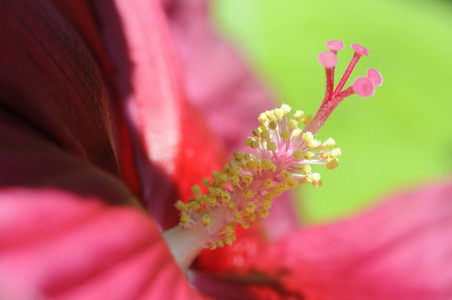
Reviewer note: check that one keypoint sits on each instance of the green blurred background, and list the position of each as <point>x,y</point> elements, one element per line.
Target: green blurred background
<point>399,138</point>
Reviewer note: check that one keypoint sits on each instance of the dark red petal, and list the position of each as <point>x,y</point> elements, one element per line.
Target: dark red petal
<point>172,148</point>
<point>400,250</point>
<point>50,79</point>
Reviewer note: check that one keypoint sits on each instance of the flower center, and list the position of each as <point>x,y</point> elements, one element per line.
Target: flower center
<point>281,158</point>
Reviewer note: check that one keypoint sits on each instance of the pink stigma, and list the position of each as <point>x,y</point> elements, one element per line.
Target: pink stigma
<point>360,49</point>
<point>335,45</point>
<point>363,86</point>
<point>375,76</point>
<point>328,59</point>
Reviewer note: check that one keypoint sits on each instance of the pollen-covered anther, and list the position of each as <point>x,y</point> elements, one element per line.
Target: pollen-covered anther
<point>332,164</point>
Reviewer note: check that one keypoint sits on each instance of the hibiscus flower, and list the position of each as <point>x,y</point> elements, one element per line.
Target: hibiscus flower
<point>99,139</point>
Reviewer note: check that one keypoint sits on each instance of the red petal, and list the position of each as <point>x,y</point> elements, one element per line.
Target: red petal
<point>173,150</point>
<point>400,250</point>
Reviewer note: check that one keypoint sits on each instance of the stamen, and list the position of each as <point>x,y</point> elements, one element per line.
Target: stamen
<point>281,157</point>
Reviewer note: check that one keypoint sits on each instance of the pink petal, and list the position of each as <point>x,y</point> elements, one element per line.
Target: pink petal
<point>221,86</point>
<point>400,250</point>
<point>172,150</point>
<point>217,80</point>
<point>65,246</point>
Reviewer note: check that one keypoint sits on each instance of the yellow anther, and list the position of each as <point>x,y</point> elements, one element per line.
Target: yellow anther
<point>251,142</point>
<point>211,201</point>
<point>234,179</point>
<point>285,135</point>
<point>268,184</point>
<point>296,132</point>
<point>229,229</point>
<point>256,132</point>
<point>293,124</point>
<point>223,177</point>
<point>180,205</point>
<point>312,178</point>
<point>225,197</point>
<point>335,153</point>
<point>213,246</point>
<point>332,164</point>
<point>228,240</point>
<point>263,213</point>
<point>231,205</point>
<point>238,155</point>
<point>195,206</point>
<point>238,217</point>
<point>306,169</point>
<point>252,217</point>
<point>299,115</point>
<point>307,136</point>
<point>265,134</point>
<point>317,184</point>
<point>248,194</point>
<point>298,154</point>
<point>206,182</point>
<point>285,108</point>
<point>308,155</point>
<point>184,218</point>
<point>307,119</point>
<point>245,224</point>
<point>286,174</point>
<point>312,144</point>
<point>195,189</point>
<point>247,179</point>
<point>279,114</point>
<point>272,125</point>
<point>250,207</point>
<point>205,220</point>
<point>271,146</point>
<point>270,114</point>
<point>330,142</point>
<point>266,204</point>
<point>263,119</point>
<point>220,243</point>
<point>293,184</point>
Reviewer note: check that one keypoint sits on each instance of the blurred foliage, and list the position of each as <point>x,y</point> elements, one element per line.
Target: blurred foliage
<point>400,137</point>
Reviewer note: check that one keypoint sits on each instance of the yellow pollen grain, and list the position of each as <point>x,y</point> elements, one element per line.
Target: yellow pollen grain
<point>268,184</point>
<point>248,194</point>
<point>231,205</point>
<point>265,134</point>
<point>330,142</point>
<point>272,125</point>
<point>293,124</point>
<point>332,164</point>
<point>245,224</point>
<point>250,207</point>
<point>195,189</point>
<point>252,217</point>
<point>205,220</point>
<point>184,218</point>
<point>271,146</point>
<point>225,197</point>
<point>239,155</point>
<point>296,132</point>
<point>266,204</point>
<point>179,205</point>
<point>307,119</point>
<point>285,135</point>
<point>312,144</point>
<point>220,243</point>
<point>299,115</point>
<point>285,108</point>
<point>211,201</point>
<point>238,217</point>
<point>298,154</point>
<point>263,213</point>
<point>308,155</point>
<point>307,136</point>
<point>306,169</point>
